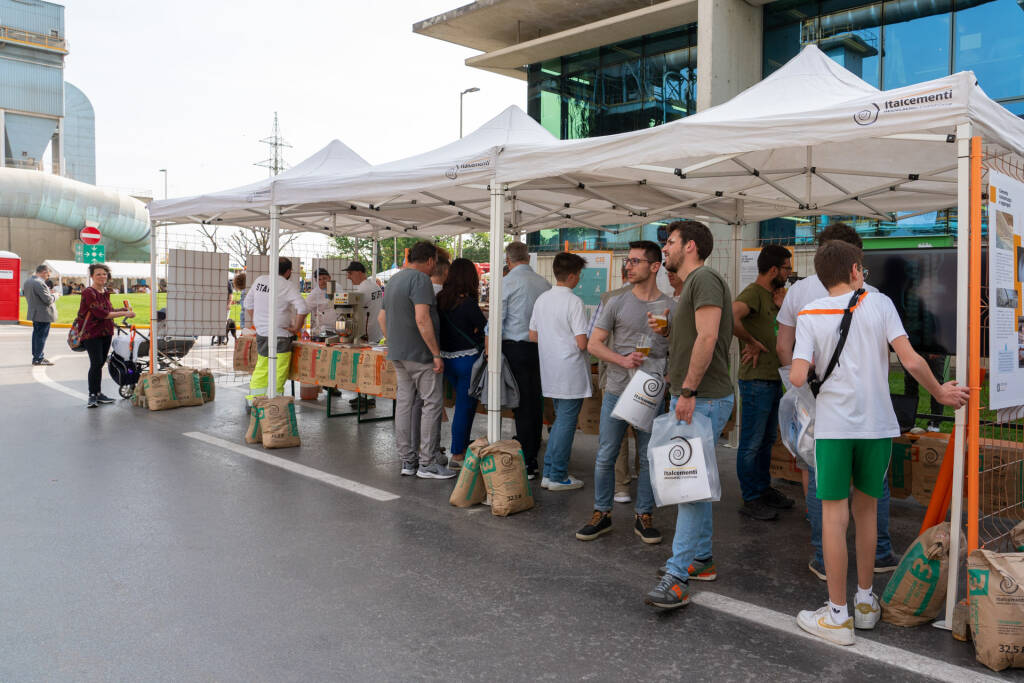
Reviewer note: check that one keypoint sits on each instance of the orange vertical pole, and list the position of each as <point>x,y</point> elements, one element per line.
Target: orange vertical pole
<point>974,347</point>
<point>938,506</point>
<point>567,245</point>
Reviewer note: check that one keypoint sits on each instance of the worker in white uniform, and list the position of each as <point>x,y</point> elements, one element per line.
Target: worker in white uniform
<point>373,298</point>
<point>321,308</point>
<point>289,324</point>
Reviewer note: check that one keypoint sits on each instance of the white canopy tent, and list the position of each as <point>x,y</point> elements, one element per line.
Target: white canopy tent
<point>123,271</point>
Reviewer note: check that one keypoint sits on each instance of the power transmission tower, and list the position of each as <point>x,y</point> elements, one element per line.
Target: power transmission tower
<point>276,162</point>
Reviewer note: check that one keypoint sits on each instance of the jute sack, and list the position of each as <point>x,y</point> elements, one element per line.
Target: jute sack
<point>207,386</point>
<point>917,590</point>
<point>186,387</point>
<point>504,471</point>
<point>159,390</point>
<point>469,487</point>
<point>278,425</point>
<point>997,607</point>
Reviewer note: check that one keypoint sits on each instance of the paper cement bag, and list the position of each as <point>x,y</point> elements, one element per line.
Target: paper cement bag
<point>917,590</point>
<point>469,487</point>
<point>278,426</point>
<point>997,608</point>
<point>244,357</point>
<point>1017,537</point>
<point>186,386</point>
<point>504,473</point>
<point>641,401</point>
<point>683,467</point>
<point>254,433</point>
<point>207,385</point>
<point>159,390</point>
<point>139,396</point>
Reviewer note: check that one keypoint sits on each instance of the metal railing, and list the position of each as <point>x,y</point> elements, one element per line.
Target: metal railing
<point>17,35</point>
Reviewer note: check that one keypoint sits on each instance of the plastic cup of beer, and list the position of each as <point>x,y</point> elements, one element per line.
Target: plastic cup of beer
<point>643,344</point>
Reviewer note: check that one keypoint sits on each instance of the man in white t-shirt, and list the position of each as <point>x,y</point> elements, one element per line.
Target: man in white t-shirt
<point>558,325</point>
<point>854,424</point>
<point>321,308</point>
<point>257,307</point>
<point>373,297</point>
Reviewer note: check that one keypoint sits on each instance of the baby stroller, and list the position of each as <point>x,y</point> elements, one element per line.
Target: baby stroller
<point>129,355</point>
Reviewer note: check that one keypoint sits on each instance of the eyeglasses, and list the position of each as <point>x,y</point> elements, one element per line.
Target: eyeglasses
<point>864,272</point>
<point>636,261</point>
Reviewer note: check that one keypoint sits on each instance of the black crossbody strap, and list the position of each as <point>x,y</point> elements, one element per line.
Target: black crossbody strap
<point>844,332</point>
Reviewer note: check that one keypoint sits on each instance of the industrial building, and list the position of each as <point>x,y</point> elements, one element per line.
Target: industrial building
<point>596,67</point>
<point>48,165</point>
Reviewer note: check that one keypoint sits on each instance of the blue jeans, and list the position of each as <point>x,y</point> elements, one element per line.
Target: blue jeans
<point>611,433</point>
<point>560,438</point>
<point>693,521</point>
<point>759,399</point>
<point>883,548</point>
<point>40,331</point>
<point>457,371</point>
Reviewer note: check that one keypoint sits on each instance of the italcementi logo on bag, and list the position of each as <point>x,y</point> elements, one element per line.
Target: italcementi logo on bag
<point>650,393</point>
<point>679,455</point>
<point>453,171</point>
<point>926,99</point>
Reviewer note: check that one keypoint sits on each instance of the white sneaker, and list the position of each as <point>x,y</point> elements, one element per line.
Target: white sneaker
<point>623,497</point>
<point>569,484</point>
<point>544,482</point>
<point>867,614</point>
<point>819,623</point>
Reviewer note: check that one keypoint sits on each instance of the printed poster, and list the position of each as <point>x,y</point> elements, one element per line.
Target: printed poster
<point>1005,272</point>
<point>596,277</point>
<point>748,265</point>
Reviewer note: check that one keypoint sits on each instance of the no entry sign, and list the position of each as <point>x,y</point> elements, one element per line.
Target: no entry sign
<point>90,235</point>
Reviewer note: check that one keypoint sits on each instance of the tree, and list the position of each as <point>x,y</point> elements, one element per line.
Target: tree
<point>253,239</point>
<point>209,232</point>
<point>476,247</point>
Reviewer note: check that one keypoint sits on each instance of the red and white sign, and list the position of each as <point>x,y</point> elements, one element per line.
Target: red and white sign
<point>90,234</point>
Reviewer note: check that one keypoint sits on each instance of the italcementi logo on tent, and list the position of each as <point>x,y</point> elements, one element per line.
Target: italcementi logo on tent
<point>926,99</point>
<point>453,171</point>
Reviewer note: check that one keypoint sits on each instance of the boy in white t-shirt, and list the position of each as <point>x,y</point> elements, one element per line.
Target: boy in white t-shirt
<point>854,425</point>
<point>559,327</point>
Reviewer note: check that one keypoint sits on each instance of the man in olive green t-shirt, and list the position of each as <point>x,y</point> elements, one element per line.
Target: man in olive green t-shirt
<point>753,315</point>
<point>698,370</point>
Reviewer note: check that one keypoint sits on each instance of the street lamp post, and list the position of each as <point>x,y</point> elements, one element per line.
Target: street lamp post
<point>164,171</point>
<point>461,95</point>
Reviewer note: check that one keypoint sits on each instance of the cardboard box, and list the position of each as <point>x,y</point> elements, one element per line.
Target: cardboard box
<point>389,381</point>
<point>928,453</point>
<point>783,465</point>
<point>348,370</point>
<point>901,467</point>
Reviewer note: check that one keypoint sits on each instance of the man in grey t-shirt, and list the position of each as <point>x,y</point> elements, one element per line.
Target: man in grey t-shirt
<point>409,321</point>
<point>624,319</point>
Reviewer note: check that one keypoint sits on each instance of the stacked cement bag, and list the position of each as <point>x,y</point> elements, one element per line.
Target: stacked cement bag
<point>174,389</point>
<point>469,487</point>
<point>244,357</point>
<point>272,422</point>
<point>497,471</point>
<point>996,604</point>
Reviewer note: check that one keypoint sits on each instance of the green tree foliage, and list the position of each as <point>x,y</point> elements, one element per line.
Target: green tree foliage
<point>476,247</point>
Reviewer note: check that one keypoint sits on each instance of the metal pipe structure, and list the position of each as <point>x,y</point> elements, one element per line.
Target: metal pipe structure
<point>153,287</point>
<point>494,314</point>
<point>272,308</point>
<point>963,141</point>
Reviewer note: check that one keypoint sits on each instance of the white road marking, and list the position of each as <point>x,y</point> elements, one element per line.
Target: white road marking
<point>39,375</point>
<point>296,468</point>
<point>869,649</point>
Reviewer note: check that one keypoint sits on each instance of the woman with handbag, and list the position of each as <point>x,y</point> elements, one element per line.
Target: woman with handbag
<point>462,341</point>
<point>95,328</point>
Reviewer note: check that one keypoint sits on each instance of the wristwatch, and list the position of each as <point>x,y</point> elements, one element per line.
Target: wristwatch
<point>687,393</point>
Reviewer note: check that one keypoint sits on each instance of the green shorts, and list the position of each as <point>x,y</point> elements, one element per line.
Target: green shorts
<point>838,461</point>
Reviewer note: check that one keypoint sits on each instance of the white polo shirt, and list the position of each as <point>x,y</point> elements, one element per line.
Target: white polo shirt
<point>288,298</point>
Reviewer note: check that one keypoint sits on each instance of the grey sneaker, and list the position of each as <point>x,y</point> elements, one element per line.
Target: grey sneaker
<point>409,468</point>
<point>92,403</point>
<point>670,593</point>
<point>435,471</point>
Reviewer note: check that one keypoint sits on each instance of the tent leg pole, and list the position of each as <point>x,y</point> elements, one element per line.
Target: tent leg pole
<point>494,316</point>
<point>272,308</point>
<point>153,287</point>
<point>376,250</point>
<point>963,208</point>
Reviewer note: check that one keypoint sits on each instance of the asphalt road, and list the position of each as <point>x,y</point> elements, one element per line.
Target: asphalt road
<point>134,552</point>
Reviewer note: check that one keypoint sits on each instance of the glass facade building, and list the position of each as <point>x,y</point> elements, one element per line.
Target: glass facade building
<point>638,83</point>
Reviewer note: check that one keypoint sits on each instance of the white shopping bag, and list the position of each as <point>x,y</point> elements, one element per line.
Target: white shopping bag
<point>682,461</point>
<point>642,401</point>
<point>796,419</point>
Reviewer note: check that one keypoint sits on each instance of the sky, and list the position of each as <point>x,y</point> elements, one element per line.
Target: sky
<point>192,86</point>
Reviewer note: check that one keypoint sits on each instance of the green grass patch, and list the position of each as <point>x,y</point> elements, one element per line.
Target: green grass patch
<point>67,306</point>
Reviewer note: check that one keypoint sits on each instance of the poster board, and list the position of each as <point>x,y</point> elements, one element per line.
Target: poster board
<point>1005,273</point>
<point>748,265</point>
<point>596,277</point>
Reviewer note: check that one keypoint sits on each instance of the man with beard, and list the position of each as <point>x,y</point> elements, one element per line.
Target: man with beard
<point>753,315</point>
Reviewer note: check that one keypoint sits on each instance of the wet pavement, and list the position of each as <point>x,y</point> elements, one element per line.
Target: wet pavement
<point>134,552</point>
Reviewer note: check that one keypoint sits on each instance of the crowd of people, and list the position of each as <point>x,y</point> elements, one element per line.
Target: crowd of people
<point>435,328</point>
